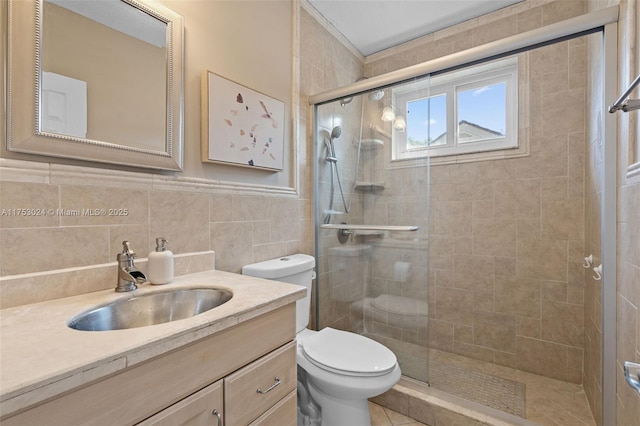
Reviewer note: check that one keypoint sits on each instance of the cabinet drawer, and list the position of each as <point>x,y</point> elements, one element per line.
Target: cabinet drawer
<point>254,389</point>
<point>196,410</point>
<point>283,413</point>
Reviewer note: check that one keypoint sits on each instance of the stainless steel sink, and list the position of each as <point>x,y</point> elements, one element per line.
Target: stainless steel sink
<point>150,309</point>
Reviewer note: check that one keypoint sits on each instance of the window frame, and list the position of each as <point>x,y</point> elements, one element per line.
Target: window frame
<point>450,84</point>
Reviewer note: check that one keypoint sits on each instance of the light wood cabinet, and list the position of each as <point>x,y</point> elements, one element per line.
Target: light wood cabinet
<point>223,372</point>
<point>254,389</point>
<point>200,409</point>
<point>283,413</point>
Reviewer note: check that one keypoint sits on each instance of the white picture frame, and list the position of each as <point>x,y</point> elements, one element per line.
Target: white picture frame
<point>241,126</point>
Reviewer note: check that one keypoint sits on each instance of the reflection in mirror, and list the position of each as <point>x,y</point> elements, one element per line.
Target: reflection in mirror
<point>108,85</point>
<point>103,63</point>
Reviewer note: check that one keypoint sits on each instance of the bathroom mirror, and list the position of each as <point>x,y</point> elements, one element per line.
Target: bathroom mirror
<point>96,80</point>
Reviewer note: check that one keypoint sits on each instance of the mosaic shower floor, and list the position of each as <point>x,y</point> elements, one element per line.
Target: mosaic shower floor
<point>548,401</point>
<point>486,389</point>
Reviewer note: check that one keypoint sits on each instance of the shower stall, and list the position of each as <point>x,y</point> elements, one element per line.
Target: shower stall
<point>455,203</point>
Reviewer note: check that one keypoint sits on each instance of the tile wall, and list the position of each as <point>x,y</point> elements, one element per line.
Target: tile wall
<point>506,237</point>
<point>241,228</point>
<point>326,63</point>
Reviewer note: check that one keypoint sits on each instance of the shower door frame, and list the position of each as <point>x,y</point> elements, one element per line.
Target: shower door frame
<point>609,214</point>
<point>603,21</point>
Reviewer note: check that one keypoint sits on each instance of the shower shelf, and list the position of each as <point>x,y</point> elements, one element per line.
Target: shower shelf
<point>346,226</point>
<point>367,144</point>
<point>369,186</point>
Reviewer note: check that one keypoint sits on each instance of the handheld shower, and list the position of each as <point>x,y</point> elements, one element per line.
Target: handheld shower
<point>335,134</point>
<point>331,158</point>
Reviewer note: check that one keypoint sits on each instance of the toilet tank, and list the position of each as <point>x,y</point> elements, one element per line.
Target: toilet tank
<point>293,269</point>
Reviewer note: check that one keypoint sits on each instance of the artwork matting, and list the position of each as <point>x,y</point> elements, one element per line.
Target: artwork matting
<point>241,126</point>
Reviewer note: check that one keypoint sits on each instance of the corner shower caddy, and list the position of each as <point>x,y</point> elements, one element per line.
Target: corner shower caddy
<point>368,145</point>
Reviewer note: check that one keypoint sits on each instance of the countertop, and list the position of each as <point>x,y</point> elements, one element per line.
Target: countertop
<point>41,357</point>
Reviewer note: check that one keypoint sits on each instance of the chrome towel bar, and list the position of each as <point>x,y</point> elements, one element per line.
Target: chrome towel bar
<point>629,104</point>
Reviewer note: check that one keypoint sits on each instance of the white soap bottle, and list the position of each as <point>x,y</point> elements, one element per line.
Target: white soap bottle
<point>160,263</point>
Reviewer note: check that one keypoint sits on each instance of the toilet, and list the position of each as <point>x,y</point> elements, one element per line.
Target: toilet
<point>340,370</point>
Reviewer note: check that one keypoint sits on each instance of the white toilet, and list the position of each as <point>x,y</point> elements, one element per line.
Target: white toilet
<point>341,369</point>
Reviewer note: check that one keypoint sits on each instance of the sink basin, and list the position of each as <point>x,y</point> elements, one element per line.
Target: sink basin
<point>150,309</point>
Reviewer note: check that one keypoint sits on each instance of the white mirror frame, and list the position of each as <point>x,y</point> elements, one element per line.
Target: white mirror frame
<point>23,80</point>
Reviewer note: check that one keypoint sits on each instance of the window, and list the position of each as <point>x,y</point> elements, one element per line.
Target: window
<point>466,111</point>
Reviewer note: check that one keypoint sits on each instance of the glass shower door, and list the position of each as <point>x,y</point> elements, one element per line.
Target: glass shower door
<point>371,215</point>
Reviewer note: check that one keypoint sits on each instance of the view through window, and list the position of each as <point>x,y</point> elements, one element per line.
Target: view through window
<point>465,111</point>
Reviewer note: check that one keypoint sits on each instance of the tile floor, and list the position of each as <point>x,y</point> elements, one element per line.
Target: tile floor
<point>381,416</point>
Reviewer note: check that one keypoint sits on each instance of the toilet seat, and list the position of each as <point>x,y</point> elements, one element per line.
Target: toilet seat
<point>347,353</point>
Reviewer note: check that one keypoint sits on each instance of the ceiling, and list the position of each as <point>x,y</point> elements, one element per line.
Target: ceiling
<point>374,25</point>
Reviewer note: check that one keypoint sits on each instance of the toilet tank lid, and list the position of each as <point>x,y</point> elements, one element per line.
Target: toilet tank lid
<point>280,267</point>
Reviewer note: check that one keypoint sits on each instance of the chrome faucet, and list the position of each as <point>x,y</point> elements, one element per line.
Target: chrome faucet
<point>128,274</point>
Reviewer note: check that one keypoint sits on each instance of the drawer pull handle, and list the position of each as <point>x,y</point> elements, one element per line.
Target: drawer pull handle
<point>270,388</point>
<point>217,414</point>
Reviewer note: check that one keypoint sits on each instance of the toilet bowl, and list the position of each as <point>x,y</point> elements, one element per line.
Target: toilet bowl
<point>341,369</point>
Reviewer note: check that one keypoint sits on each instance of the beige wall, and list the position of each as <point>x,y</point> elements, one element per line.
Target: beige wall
<point>248,41</point>
<point>204,208</point>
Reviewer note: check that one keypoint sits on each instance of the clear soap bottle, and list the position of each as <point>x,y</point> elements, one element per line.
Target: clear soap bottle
<point>160,263</point>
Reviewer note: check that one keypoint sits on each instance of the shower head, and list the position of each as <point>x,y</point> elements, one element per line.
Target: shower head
<point>336,132</point>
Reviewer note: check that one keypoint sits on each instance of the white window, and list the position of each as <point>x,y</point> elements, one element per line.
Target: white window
<point>465,111</point>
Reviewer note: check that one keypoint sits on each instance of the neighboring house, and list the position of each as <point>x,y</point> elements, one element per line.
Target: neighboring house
<point>468,132</point>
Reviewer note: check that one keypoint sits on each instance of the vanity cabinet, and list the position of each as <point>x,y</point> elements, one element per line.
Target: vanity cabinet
<point>247,373</point>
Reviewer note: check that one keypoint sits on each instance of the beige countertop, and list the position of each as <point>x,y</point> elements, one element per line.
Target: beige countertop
<point>41,357</point>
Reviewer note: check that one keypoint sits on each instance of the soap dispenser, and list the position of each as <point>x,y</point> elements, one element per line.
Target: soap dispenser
<point>160,263</point>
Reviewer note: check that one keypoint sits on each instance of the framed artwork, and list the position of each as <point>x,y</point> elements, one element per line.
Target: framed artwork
<point>241,126</point>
